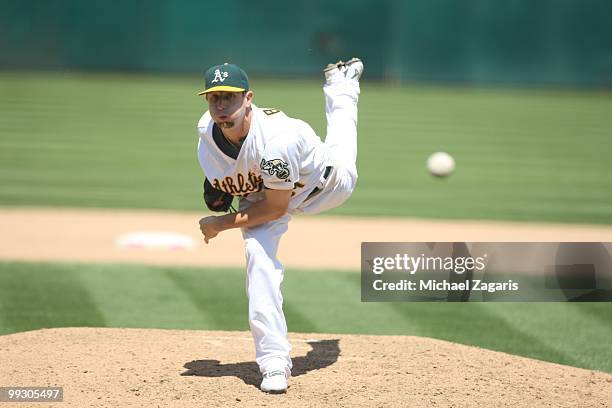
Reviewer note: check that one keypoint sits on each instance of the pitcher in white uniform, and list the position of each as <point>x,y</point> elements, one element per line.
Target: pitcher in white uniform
<point>278,167</point>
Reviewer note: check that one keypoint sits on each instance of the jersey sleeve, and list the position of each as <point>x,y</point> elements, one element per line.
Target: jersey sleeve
<point>280,163</point>
<point>203,128</point>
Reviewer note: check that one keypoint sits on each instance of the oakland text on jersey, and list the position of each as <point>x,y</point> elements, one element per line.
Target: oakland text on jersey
<point>243,185</point>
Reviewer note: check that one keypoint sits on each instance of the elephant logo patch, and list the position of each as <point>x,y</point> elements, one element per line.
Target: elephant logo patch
<point>275,167</point>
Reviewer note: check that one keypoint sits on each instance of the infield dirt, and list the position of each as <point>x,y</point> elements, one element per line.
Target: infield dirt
<point>102,367</point>
<point>312,242</point>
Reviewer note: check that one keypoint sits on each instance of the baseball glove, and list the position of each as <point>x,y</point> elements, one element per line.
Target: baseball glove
<point>217,200</point>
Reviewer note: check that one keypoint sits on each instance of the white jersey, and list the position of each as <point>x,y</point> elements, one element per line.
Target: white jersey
<point>279,153</point>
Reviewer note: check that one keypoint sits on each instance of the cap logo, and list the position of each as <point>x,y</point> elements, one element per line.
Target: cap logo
<point>219,76</point>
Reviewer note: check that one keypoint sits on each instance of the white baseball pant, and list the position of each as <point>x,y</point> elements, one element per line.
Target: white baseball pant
<point>264,270</point>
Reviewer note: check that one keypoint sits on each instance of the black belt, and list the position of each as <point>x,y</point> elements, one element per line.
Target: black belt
<point>316,190</point>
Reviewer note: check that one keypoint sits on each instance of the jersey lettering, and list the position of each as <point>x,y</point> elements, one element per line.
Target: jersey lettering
<point>242,186</point>
<point>296,186</point>
<point>270,111</point>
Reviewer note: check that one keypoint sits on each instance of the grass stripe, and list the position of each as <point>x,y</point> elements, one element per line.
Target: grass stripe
<point>453,322</point>
<point>458,323</point>
<point>564,328</point>
<point>35,297</point>
<point>218,294</point>
<point>210,295</point>
<point>134,296</point>
<point>332,300</point>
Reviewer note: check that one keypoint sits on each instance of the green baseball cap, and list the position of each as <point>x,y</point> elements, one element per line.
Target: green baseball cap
<point>225,77</point>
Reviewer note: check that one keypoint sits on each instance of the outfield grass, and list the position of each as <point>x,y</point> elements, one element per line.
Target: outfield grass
<point>129,141</point>
<point>34,296</point>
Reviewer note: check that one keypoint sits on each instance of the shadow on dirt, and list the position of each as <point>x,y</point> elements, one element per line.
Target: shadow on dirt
<point>323,354</point>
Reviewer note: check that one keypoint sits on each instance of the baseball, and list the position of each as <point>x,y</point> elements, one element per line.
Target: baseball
<point>441,164</point>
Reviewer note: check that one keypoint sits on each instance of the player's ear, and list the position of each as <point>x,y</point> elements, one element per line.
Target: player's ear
<point>249,97</point>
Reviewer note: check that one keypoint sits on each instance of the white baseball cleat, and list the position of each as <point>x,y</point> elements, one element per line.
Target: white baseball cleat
<point>332,71</point>
<point>354,69</point>
<point>274,382</point>
<point>340,71</point>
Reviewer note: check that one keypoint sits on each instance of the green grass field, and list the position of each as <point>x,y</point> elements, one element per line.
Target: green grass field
<point>129,141</point>
<point>61,295</point>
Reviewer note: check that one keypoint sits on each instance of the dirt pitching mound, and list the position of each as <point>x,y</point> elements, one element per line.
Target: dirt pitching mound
<point>102,367</point>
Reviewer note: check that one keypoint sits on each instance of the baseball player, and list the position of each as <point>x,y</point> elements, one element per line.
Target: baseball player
<point>278,167</point>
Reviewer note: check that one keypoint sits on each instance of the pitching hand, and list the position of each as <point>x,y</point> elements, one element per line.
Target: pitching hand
<point>209,227</point>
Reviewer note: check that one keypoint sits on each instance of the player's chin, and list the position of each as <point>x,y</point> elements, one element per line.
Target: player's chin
<point>226,124</point>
